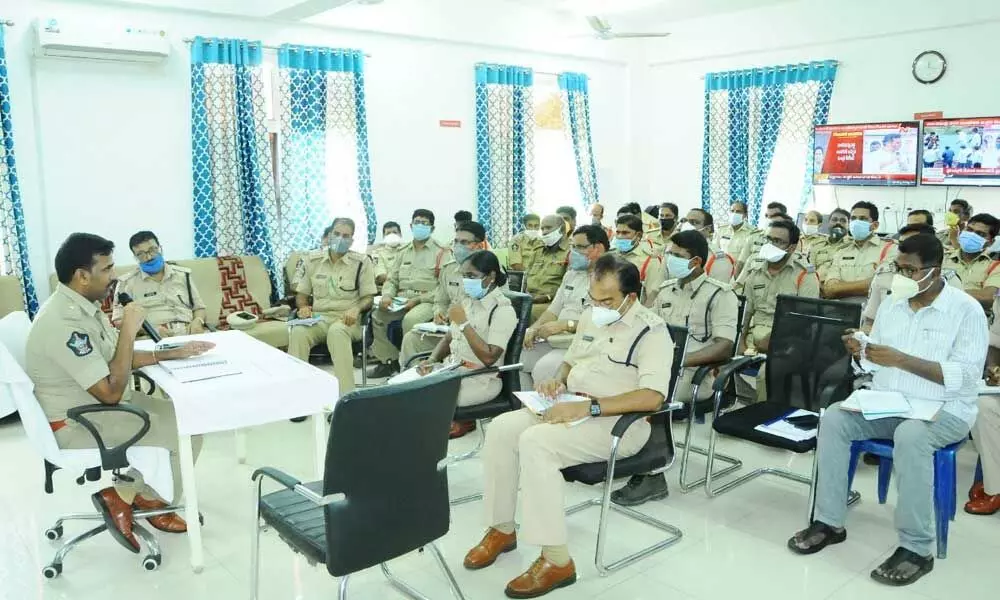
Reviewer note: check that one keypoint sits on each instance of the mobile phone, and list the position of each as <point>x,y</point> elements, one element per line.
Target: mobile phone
<point>804,422</point>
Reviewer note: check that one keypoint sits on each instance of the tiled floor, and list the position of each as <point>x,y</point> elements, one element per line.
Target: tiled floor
<point>733,546</point>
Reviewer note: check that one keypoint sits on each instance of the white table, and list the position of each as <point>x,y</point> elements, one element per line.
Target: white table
<point>272,386</point>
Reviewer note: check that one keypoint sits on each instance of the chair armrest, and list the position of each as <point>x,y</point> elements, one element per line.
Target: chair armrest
<point>111,458</point>
<point>703,371</point>
<point>137,375</point>
<point>628,419</point>
<point>740,364</point>
<point>413,359</point>
<point>278,475</point>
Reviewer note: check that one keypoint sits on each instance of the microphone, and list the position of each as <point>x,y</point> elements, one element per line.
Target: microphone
<point>124,299</point>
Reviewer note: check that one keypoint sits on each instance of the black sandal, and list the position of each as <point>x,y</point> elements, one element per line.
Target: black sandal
<point>815,537</point>
<point>903,568</point>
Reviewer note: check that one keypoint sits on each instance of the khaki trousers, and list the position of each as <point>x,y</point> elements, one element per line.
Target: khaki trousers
<point>521,450</point>
<point>416,342</point>
<point>986,435</point>
<point>338,338</point>
<point>116,428</point>
<point>382,349</point>
<point>541,363</point>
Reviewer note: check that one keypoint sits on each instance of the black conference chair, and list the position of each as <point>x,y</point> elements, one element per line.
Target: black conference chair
<point>355,518</point>
<point>695,410</point>
<point>808,368</point>
<point>655,457</point>
<point>516,281</point>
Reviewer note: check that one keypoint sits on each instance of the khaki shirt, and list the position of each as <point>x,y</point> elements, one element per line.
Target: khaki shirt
<point>761,289</point>
<point>806,242</point>
<point>733,241</point>
<point>821,254</point>
<point>572,297</point>
<point>414,273</point>
<point>944,236</point>
<point>495,330</point>
<point>298,271</point>
<point>650,224</point>
<point>649,261</point>
<point>976,274</point>
<point>382,256</point>
<point>882,283</point>
<point>720,266</point>
<point>70,345</point>
<point>608,361</point>
<point>548,265</point>
<point>856,262</point>
<point>338,286</point>
<point>165,301</point>
<point>450,289</point>
<point>522,248</point>
<point>995,325</point>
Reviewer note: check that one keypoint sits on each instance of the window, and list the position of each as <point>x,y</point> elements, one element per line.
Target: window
<point>555,176</point>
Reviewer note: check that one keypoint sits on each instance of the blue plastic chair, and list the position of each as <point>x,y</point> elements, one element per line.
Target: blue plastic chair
<point>945,481</point>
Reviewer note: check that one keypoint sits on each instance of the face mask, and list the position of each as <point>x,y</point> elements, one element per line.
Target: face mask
<point>837,233</point>
<point>602,317</point>
<point>340,245</point>
<point>950,219</point>
<point>578,261</point>
<point>152,266</point>
<point>474,288</point>
<point>667,224</point>
<point>736,219</point>
<point>552,238</point>
<point>860,230</point>
<point>971,242</point>
<point>904,288</point>
<point>685,226</point>
<point>624,245</point>
<point>810,229</point>
<point>393,239</point>
<point>771,253</point>
<point>421,231</point>
<point>595,221</point>
<point>461,252</point>
<point>678,267</point>
<point>534,234</point>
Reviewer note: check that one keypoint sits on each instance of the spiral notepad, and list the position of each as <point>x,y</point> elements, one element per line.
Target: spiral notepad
<point>199,368</point>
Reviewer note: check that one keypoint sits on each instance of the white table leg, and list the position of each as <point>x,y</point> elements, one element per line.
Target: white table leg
<point>191,504</point>
<point>319,429</point>
<point>241,446</point>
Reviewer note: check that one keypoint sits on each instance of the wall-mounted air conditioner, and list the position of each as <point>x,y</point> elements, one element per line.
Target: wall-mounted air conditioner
<point>96,43</point>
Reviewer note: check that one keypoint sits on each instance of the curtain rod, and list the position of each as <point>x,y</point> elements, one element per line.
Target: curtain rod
<point>838,63</point>
<point>264,46</point>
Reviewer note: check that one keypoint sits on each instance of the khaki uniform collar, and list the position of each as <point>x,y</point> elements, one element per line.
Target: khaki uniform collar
<point>168,270</point>
<point>694,283</point>
<point>88,307</point>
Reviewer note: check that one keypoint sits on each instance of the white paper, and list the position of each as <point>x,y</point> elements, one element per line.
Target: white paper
<point>786,430</point>
<point>988,390</point>
<point>412,374</point>
<point>398,303</point>
<point>307,322</point>
<point>431,328</point>
<point>199,368</point>
<point>876,405</point>
<point>538,403</point>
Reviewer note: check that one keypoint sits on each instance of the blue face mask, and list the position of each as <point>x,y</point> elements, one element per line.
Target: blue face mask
<point>339,245</point>
<point>623,245</point>
<point>971,242</point>
<point>421,231</point>
<point>678,267</point>
<point>461,252</point>
<point>474,288</point>
<point>860,230</point>
<point>578,261</point>
<point>152,266</point>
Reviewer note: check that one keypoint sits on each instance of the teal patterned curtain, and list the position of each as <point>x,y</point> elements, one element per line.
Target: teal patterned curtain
<point>576,112</point>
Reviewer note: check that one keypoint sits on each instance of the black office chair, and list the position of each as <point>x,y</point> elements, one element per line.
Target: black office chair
<point>505,400</point>
<point>655,457</point>
<point>695,410</point>
<point>355,518</point>
<point>808,367</point>
<point>516,281</point>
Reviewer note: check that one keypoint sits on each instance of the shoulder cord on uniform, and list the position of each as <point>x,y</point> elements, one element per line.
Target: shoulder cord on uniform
<point>631,351</point>
<point>708,314</point>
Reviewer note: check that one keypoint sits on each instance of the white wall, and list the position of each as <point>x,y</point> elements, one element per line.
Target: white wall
<point>115,138</point>
<point>876,43</point>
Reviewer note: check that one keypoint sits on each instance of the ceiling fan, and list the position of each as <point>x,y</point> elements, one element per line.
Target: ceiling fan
<point>602,31</point>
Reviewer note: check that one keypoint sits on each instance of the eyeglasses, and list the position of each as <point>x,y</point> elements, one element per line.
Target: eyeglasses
<point>777,242</point>
<point>908,271</point>
<point>583,248</point>
<point>145,255</point>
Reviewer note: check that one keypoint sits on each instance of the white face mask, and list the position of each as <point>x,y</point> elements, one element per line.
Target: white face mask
<point>810,229</point>
<point>393,239</point>
<point>602,317</point>
<point>552,238</point>
<point>534,234</point>
<point>686,226</point>
<point>736,219</point>
<point>904,288</point>
<point>771,253</point>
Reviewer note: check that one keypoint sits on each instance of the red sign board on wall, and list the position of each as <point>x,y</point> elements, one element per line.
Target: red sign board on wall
<point>450,123</point>
<point>926,116</point>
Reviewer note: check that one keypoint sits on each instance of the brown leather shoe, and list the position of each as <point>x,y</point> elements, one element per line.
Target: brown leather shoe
<point>977,491</point>
<point>494,544</point>
<point>540,579</point>
<point>988,505</point>
<point>460,428</point>
<point>168,523</point>
<point>117,516</point>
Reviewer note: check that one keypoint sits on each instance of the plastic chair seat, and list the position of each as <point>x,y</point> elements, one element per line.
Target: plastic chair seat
<point>299,522</point>
<point>740,423</point>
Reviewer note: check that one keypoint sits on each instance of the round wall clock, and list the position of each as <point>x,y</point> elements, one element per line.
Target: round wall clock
<point>929,66</point>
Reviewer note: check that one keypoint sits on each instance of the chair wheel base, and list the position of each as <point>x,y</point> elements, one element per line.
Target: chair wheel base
<point>52,571</point>
<point>54,533</point>
<point>151,562</point>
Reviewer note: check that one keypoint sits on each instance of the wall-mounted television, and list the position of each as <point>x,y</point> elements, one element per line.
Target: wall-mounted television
<point>961,152</point>
<point>876,154</point>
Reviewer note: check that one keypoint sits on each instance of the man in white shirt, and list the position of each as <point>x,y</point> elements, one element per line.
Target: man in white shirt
<point>929,343</point>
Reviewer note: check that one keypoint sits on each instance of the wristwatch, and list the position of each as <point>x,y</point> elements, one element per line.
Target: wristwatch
<point>571,325</point>
<point>595,408</point>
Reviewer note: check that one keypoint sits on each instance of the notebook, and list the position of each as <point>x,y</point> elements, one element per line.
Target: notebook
<point>538,403</point>
<point>199,368</point>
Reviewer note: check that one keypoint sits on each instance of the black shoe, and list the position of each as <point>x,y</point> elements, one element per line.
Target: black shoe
<point>298,419</point>
<point>358,364</point>
<point>383,370</point>
<point>641,488</point>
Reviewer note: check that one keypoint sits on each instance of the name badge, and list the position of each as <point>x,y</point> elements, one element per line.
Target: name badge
<point>148,294</point>
<point>760,287</point>
<point>408,263</point>
<point>454,283</point>
<point>588,338</point>
<point>847,258</point>
<point>320,276</point>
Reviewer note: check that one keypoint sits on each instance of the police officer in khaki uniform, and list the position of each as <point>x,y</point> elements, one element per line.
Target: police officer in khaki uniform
<point>669,223</point>
<point>546,341</point>
<point>470,236</point>
<point>720,266</point>
<point>523,245</point>
<point>810,232</point>
<point>853,267</point>
<point>295,266</point>
<point>385,253</point>
<point>754,242</point>
<point>76,358</point>
<point>709,309</point>
<point>414,276</point>
<point>821,251</point>
<point>984,497</point>
<point>166,292</point>
<point>342,286</point>
<point>620,359</point>
<point>735,236</point>
<point>630,245</point>
<point>548,265</point>
<point>777,270</point>
<point>979,273</point>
